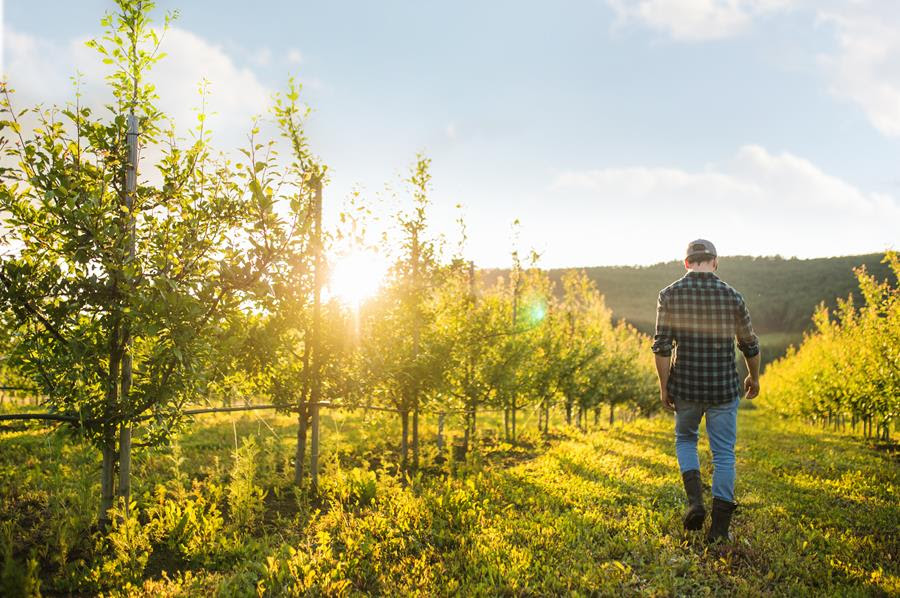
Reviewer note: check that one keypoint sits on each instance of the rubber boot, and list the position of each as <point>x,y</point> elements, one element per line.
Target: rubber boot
<point>721,520</point>
<point>695,513</point>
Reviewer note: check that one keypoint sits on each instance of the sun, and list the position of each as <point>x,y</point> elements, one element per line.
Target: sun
<point>355,277</point>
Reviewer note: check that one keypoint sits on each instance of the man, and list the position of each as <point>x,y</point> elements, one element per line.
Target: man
<point>701,315</point>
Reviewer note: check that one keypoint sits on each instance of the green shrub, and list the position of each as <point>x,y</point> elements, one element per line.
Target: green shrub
<point>356,486</point>
<point>245,497</point>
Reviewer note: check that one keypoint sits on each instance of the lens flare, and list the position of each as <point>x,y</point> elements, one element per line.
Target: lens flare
<point>536,310</point>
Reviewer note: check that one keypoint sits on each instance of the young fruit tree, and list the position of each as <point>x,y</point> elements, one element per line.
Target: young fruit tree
<point>401,356</point>
<point>119,280</point>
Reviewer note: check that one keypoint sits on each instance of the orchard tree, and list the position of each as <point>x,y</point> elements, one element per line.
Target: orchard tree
<point>472,323</point>
<point>401,356</point>
<point>298,346</point>
<point>120,290</point>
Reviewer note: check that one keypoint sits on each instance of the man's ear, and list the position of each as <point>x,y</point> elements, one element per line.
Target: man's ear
<point>687,265</point>
<point>715,263</point>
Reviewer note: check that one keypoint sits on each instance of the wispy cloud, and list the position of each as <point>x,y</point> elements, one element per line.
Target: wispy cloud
<point>866,65</point>
<point>695,20</point>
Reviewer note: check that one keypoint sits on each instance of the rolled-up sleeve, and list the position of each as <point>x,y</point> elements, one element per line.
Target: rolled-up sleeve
<point>663,338</point>
<point>748,342</point>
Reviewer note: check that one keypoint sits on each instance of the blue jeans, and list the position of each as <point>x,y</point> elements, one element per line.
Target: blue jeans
<point>721,427</point>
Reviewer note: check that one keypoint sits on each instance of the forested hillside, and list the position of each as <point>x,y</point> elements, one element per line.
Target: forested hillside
<point>782,293</point>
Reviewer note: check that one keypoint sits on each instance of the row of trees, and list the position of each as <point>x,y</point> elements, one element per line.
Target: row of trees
<point>848,369</point>
<point>128,292</point>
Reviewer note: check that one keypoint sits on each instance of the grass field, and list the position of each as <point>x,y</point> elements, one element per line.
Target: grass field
<point>594,514</point>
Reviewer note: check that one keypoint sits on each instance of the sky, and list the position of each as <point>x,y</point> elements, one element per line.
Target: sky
<point>614,131</point>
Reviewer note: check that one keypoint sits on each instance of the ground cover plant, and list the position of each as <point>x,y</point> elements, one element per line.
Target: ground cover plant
<point>595,513</point>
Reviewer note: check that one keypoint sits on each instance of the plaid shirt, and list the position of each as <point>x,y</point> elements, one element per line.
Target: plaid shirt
<point>701,315</point>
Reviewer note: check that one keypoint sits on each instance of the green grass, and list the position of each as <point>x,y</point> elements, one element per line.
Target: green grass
<point>594,514</point>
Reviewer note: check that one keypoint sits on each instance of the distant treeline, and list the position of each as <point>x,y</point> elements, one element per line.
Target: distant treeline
<point>782,293</point>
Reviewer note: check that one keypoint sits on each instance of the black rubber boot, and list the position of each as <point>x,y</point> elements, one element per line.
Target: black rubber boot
<point>721,520</point>
<point>696,513</point>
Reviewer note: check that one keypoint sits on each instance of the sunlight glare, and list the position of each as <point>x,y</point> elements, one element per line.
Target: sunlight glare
<point>356,277</point>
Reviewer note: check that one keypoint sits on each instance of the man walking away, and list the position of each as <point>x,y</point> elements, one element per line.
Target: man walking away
<point>700,316</point>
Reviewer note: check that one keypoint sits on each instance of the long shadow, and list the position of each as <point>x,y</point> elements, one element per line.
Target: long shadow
<point>599,538</point>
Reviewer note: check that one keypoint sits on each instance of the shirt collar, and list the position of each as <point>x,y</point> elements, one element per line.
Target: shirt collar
<point>701,275</point>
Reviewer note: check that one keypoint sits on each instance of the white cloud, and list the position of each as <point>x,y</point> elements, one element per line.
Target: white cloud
<point>755,203</point>
<point>695,20</point>
<point>866,67</point>
<point>40,71</point>
<point>294,56</point>
<point>236,93</point>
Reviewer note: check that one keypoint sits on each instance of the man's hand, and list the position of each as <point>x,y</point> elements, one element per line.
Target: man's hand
<point>666,401</point>
<point>751,387</point>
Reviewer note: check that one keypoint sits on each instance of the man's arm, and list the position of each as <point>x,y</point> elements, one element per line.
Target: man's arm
<point>662,347</point>
<point>748,343</point>
<point>663,365</point>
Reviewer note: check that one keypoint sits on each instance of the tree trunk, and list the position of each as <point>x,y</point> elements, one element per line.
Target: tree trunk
<point>125,466</point>
<point>300,453</point>
<point>415,438</point>
<point>314,448</point>
<point>107,476</point>
<point>514,418</point>
<point>612,414</point>
<point>440,438</point>
<point>404,442</point>
<point>506,424</point>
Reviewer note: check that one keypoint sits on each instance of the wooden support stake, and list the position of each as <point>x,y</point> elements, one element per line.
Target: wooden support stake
<point>316,340</point>
<point>125,427</point>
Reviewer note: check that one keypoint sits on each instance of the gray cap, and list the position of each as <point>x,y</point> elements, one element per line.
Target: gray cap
<point>700,247</point>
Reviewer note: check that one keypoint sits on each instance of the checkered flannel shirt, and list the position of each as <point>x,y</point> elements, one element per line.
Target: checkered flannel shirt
<point>701,315</point>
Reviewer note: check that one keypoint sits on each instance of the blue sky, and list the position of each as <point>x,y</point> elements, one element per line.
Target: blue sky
<point>616,131</point>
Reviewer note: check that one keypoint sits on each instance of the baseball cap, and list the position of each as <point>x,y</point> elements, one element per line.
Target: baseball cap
<point>700,247</point>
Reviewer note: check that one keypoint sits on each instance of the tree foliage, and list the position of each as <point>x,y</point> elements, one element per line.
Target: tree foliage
<point>850,365</point>
<point>72,295</point>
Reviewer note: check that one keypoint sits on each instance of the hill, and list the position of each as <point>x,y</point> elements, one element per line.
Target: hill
<point>782,293</point>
